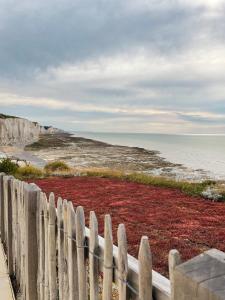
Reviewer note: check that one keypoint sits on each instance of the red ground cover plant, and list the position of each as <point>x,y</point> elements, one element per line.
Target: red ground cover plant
<point>168,217</point>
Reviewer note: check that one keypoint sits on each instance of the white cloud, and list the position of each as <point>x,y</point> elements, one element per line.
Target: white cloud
<point>158,63</point>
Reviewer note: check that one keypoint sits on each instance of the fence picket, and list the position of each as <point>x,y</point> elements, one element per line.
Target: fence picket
<point>72,254</point>
<point>32,198</point>
<point>60,238</point>
<point>108,259</point>
<point>174,260</point>
<point>46,216</point>
<point>42,248</point>
<point>122,261</point>
<point>60,242</point>
<point>145,270</point>
<point>52,248</point>
<point>93,260</point>
<point>9,225</point>
<point>14,235</point>
<point>81,263</point>
<point>5,191</point>
<point>22,239</point>
<point>65,250</point>
<point>2,222</point>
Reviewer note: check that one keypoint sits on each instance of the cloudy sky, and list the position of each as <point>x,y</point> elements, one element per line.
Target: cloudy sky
<point>115,65</point>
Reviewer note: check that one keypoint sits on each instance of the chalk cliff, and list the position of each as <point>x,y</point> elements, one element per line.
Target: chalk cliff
<point>20,131</point>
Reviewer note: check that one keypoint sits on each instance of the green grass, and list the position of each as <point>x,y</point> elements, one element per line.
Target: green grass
<point>2,116</point>
<point>29,172</point>
<point>189,188</point>
<point>56,166</point>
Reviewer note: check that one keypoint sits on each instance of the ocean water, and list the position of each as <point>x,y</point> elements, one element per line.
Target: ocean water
<point>205,152</point>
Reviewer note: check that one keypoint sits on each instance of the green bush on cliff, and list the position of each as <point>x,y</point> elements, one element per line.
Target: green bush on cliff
<point>7,166</point>
<point>56,166</point>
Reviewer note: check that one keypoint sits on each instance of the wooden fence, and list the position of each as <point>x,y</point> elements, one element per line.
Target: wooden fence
<point>53,255</point>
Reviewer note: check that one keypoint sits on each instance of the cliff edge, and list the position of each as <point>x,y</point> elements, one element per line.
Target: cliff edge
<point>19,131</point>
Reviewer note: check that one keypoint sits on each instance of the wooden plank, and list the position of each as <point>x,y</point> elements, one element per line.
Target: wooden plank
<point>6,290</point>
<point>14,225</point>
<point>60,246</point>
<point>46,217</point>
<point>145,270</point>
<point>52,248</point>
<point>174,260</point>
<point>201,277</point>
<point>22,238</point>
<point>2,219</point>
<point>5,191</point>
<point>108,259</point>
<point>93,260</point>
<point>65,250</point>
<point>20,247</point>
<point>9,226</point>
<point>32,196</point>
<point>42,248</point>
<point>122,261</point>
<point>80,237</point>
<point>72,254</point>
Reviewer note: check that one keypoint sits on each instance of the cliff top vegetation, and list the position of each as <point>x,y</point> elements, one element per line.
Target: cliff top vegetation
<point>2,116</point>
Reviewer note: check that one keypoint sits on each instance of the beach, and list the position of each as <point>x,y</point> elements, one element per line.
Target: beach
<point>83,153</point>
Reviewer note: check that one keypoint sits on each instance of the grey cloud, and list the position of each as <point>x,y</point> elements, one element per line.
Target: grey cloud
<point>41,36</point>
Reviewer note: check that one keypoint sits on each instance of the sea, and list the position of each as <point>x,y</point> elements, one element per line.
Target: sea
<point>206,152</point>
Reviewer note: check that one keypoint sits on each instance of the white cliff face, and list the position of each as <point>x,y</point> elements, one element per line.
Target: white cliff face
<point>20,131</point>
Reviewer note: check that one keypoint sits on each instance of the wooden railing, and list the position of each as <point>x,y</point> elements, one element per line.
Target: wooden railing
<point>52,255</point>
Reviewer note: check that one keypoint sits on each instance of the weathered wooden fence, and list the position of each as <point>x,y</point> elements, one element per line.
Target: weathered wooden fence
<point>53,255</point>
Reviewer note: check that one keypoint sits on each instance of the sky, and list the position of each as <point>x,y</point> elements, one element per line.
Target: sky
<point>153,66</point>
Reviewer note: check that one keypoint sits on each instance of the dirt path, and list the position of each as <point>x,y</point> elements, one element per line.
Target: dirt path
<point>168,217</point>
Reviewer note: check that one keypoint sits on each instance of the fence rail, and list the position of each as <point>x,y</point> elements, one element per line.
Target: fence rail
<point>53,255</point>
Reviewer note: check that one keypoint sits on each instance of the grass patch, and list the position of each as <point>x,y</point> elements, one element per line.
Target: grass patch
<point>29,172</point>
<point>56,166</point>
<point>194,189</point>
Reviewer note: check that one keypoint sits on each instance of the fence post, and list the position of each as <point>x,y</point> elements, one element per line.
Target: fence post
<point>46,216</point>
<point>174,260</point>
<point>14,225</point>
<point>122,261</point>
<point>65,250</point>
<point>108,259</point>
<point>145,270</point>
<point>72,254</point>
<point>41,248</point>
<point>9,231</point>
<point>60,246</point>
<point>32,196</point>
<point>93,260</point>
<point>201,277</point>
<point>80,237</point>
<point>52,247</point>
<point>2,224</point>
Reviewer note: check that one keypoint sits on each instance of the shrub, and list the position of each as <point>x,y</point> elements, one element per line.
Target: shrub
<point>7,166</point>
<point>29,172</point>
<point>57,165</point>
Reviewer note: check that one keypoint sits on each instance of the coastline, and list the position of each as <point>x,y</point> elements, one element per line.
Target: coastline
<point>84,153</point>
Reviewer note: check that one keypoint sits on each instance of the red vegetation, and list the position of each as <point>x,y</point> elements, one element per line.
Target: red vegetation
<point>168,217</point>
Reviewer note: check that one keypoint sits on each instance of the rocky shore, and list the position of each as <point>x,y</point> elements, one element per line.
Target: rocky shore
<point>83,153</point>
